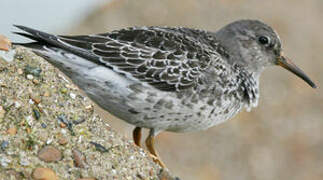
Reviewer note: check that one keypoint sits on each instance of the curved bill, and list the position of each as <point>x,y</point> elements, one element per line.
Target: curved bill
<point>290,66</point>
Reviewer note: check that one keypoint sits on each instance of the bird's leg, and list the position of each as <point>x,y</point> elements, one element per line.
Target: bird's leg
<point>150,143</point>
<point>137,136</point>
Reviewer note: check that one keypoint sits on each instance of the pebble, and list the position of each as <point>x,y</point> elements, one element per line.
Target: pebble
<point>44,174</point>
<point>79,121</point>
<point>89,107</point>
<point>28,130</point>
<point>31,101</point>
<point>63,90</point>
<point>68,124</point>
<point>50,154</point>
<point>86,179</point>
<point>17,104</point>
<point>35,81</point>
<point>46,94</point>
<point>99,147</point>
<point>49,141</point>
<point>4,145</point>
<point>43,125</point>
<point>12,131</point>
<point>36,99</point>
<point>32,70</point>
<point>71,86</point>
<point>62,125</point>
<point>36,113</point>
<point>63,131</point>
<point>79,158</point>
<point>62,141</point>
<point>20,71</point>
<point>72,95</point>
<point>2,83</point>
<point>30,77</point>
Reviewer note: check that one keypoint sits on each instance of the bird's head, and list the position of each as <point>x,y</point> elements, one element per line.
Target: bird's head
<point>255,45</point>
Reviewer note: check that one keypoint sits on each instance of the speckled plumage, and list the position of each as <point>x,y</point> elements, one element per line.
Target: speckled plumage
<point>175,79</point>
<point>163,78</point>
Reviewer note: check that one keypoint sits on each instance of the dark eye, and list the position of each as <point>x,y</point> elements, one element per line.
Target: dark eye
<point>264,40</point>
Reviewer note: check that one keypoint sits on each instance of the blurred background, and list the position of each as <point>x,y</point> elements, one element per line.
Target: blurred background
<point>280,139</point>
<point>54,16</point>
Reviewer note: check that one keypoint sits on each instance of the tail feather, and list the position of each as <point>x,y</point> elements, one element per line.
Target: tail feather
<point>35,32</point>
<point>42,39</point>
<point>37,36</point>
<point>31,45</point>
<point>27,36</point>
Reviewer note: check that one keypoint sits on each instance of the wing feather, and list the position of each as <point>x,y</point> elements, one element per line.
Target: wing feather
<point>169,59</point>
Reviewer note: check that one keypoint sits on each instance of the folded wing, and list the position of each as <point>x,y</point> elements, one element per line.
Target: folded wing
<point>169,59</point>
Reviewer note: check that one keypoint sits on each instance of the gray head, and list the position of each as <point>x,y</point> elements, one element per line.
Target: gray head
<point>255,45</point>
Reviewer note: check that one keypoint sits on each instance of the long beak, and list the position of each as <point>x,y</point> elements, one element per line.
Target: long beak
<point>290,66</point>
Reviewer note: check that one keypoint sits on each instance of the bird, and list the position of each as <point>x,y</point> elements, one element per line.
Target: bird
<point>176,79</point>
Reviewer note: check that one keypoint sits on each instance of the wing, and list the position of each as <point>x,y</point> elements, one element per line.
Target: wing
<point>169,59</point>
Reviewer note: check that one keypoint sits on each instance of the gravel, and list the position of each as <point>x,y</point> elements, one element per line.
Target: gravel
<point>89,149</point>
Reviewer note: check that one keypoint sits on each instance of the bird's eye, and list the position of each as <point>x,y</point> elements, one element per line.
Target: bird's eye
<point>264,40</point>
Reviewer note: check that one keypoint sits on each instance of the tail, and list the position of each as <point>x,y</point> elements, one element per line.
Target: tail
<point>40,38</point>
<point>44,43</point>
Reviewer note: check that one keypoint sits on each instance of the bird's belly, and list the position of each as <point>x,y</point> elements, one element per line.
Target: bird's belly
<point>165,111</point>
<point>147,107</point>
<point>197,117</point>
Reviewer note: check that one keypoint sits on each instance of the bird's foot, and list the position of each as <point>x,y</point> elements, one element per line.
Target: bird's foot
<point>158,161</point>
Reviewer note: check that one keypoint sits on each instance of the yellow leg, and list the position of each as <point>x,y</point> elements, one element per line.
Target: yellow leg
<point>150,142</point>
<point>137,136</point>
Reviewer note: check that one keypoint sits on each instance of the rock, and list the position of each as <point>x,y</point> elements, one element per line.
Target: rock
<point>44,174</point>
<point>4,145</point>
<point>62,125</point>
<point>33,70</point>
<point>12,131</point>
<point>35,98</point>
<point>20,71</point>
<point>5,43</point>
<point>35,81</point>
<point>79,158</point>
<point>30,76</point>
<point>50,154</point>
<point>72,95</point>
<point>46,94</point>
<point>62,141</point>
<point>86,179</point>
